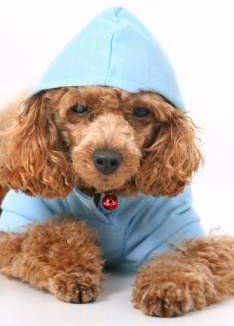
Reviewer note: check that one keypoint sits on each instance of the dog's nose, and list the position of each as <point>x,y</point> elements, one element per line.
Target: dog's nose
<point>107,161</point>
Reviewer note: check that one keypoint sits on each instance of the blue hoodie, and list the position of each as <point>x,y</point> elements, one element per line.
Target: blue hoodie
<point>116,50</point>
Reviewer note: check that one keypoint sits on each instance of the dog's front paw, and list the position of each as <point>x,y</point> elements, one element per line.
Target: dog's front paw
<point>169,297</point>
<point>75,287</point>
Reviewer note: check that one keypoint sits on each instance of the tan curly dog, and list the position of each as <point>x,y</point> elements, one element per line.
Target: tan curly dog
<point>42,141</point>
<point>95,168</point>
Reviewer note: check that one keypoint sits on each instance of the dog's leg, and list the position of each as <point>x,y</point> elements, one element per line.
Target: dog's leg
<point>61,257</point>
<point>197,274</point>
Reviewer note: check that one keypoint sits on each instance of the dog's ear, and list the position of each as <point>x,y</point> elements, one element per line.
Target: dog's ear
<point>33,155</point>
<point>173,157</point>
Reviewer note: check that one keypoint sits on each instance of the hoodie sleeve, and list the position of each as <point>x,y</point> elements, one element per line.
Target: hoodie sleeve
<point>163,224</point>
<point>20,210</point>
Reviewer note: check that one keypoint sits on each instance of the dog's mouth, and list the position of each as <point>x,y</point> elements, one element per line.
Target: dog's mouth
<point>105,170</point>
<point>99,183</point>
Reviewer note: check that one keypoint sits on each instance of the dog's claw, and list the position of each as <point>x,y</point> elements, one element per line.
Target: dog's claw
<point>181,306</point>
<point>83,294</point>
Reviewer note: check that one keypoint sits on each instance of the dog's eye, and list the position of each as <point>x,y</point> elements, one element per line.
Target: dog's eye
<point>140,112</point>
<point>79,109</point>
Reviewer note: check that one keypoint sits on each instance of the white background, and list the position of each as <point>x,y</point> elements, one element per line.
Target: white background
<point>199,38</point>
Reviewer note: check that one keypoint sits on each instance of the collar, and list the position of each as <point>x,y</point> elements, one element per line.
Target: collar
<point>100,201</point>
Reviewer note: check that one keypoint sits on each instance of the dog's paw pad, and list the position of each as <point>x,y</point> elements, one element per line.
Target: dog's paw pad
<point>74,287</point>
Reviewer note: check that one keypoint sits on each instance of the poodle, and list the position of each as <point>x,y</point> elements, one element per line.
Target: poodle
<point>99,174</point>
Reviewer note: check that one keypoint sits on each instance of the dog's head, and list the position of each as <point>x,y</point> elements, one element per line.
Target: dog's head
<point>99,139</point>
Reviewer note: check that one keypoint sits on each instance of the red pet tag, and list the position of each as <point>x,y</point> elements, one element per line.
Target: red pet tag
<point>110,202</point>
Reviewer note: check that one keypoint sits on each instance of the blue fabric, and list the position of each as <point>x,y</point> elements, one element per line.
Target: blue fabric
<point>139,228</point>
<point>116,50</point>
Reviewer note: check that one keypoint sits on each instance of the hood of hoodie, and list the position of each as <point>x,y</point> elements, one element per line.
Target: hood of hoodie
<point>115,49</point>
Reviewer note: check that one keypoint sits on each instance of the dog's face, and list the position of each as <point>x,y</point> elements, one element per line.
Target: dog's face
<point>100,139</point>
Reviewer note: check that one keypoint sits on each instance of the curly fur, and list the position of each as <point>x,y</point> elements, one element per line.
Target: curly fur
<point>46,150</point>
<point>199,273</point>
<point>61,256</point>
<point>33,146</point>
<point>46,144</point>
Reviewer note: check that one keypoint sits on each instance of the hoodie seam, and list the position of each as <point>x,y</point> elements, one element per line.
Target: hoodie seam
<point>118,11</point>
<point>110,57</point>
